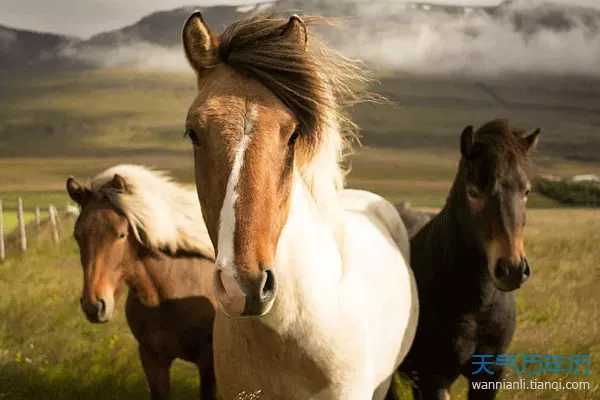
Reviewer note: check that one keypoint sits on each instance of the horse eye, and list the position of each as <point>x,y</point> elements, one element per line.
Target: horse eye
<point>122,235</point>
<point>293,138</point>
<point>473,193</point>
<point>189,132</point>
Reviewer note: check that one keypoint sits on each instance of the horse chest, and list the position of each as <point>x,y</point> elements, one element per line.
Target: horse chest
<point>250,356</point>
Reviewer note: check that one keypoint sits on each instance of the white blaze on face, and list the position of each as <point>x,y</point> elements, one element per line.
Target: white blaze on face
<point>226,254</point>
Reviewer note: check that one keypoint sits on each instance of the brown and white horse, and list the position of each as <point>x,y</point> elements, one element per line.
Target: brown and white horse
<point>315,298</point>
<point>138,227</point>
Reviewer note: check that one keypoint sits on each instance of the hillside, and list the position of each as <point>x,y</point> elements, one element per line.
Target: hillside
<point>24,49</point>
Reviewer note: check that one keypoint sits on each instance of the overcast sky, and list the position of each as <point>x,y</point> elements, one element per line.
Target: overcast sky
<point>85,18</point>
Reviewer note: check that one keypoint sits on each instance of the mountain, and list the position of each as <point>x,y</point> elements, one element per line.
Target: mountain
<point>23,49</point>
<point>376,27</point>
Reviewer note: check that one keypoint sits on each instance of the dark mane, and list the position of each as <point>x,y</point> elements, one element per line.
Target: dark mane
<point>500,143</point>
<point>315,83</point>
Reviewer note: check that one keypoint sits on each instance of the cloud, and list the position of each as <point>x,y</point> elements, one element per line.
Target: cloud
<point>524,37</point>
<point>141,55</point>
<point>534,39</point>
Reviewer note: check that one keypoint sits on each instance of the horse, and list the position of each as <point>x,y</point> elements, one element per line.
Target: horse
<point>413,219</point>
<point>315,299</point>
<point>136,226</point>
<point>468,260</point>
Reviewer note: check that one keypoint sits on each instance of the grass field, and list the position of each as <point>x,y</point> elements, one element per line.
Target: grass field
<point>49,351</point>
<point>81,123</point>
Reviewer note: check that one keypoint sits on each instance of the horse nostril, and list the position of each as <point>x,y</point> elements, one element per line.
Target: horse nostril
<point>81,301</point>
<point>502,268</point>
<point>526,270</point>
<point>269,286</point>
<point>101,306</point>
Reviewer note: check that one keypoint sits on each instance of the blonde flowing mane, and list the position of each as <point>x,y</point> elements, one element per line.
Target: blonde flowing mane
<point>315,82</point>
<point>167,213</point>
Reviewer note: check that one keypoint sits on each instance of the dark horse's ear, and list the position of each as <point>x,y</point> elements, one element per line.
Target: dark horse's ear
<point>466,141</point>
<point>295,31</point>
<point>118,183</point>
<point>200,44</point>
<point>531,139</point>
<point>77,192</point>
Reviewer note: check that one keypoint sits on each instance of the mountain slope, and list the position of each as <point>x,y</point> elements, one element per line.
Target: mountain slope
<point>23,49</point>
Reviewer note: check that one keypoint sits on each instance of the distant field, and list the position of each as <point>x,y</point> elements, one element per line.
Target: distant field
<point>125,112</point>
<point>48,351</point>
<point>82,122</point>
<point>419,177</point>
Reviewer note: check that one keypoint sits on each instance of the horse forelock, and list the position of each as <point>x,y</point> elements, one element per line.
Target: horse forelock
<point>167,213</point>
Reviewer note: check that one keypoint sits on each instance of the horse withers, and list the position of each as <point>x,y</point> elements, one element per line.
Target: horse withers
<point>138,227</point>
<point>315,297</point>
<point>468,260</point>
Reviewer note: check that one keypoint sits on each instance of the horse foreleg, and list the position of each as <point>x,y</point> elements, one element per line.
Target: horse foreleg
<point>206,370</point>
<point>157,374</point>
<point>431,387</point>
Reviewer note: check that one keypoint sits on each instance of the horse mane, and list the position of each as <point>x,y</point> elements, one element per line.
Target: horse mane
<point>316,83</point>
<point>163,214</point>
<point>499,140</point>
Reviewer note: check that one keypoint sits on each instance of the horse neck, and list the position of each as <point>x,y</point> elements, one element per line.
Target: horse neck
<point>455,238</point>
<point>308,261</point>
<point>158,276</point>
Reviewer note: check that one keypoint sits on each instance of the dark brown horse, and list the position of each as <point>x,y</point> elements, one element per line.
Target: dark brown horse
<point>467,261</point>
<point>138,227</point>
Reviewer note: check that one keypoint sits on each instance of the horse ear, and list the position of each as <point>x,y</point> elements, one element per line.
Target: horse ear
<point>531,140</point>
<point>77,192</point>
<point>199,43</point>
<point>295,31</point>
<point>118,183</point>
<point>466,141</point>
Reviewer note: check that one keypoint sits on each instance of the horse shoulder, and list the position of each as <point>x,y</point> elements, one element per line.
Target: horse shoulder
<point>381,212</point>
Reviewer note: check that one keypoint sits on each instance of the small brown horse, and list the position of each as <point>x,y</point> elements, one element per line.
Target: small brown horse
<point>467,261</point>
<point>138,227</point>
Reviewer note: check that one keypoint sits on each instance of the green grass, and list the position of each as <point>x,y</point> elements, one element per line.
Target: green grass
<point>48,351</point>
<point>47,348</point>
<point>11,220</point>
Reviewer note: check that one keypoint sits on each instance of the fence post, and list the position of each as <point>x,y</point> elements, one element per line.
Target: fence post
<point>22,231</point>
<point>2,250</point>
<point>57,218</point>
<point>38,219</point>
<point>53,224</point>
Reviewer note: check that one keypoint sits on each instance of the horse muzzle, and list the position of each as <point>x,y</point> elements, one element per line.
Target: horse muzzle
<point>249,297</point>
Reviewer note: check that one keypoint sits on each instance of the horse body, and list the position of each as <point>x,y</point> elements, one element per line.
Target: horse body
<point>170,307</point>
<point>180,325</point>
<point>315,298</point>
<point>463,313</point>
<point>467,261</point>
<point>323,338</point>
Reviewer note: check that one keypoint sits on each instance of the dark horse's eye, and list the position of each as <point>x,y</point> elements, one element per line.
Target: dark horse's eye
<point>293,138</point>
<point>122,235</point>
<point>189,132</point>
<point>473,193</point>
